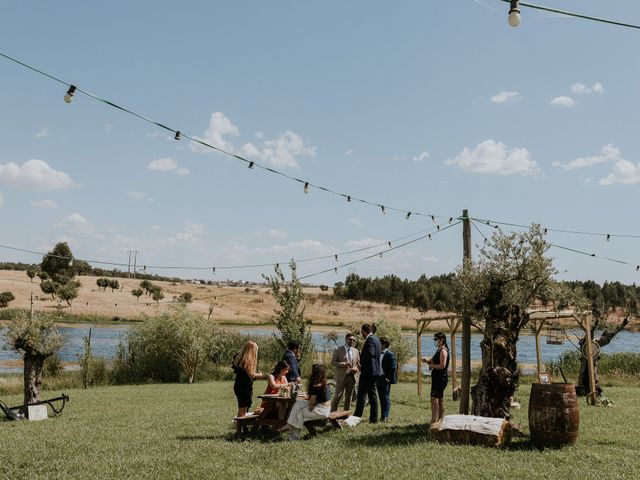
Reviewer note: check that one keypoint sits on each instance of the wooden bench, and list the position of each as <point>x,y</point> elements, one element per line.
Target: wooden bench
<point>333,418</point>
<point>243,423</point>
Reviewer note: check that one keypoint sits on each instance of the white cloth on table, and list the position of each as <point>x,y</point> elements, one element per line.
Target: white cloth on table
<point>484,425</point>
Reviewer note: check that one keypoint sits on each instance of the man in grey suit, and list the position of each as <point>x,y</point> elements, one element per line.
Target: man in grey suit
<point>346,362</point>
<point>370,370</point>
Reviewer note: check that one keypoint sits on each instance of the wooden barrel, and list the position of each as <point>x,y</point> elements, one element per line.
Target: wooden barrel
<point>554,417</point>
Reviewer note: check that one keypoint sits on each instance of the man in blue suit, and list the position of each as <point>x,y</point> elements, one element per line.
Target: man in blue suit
<point>389,376</point>
<point>291,357</point>
<point>370,371</point>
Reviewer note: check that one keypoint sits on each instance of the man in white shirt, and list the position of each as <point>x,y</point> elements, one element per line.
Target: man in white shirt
<point>346,362</point>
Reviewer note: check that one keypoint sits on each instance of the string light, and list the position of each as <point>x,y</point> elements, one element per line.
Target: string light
<point>73,88</point>
<point>336,257</point>
<point>384,212</point>
<point>68,97</point>
<point>408,215</point>
<point>251,165</point>
<point>380,254</point>
<point>306,187</point>
<point>177,136</point>
<point>214,270</point>
<point>514,14</point>
<point>608,237</point>
<point>335,269</point>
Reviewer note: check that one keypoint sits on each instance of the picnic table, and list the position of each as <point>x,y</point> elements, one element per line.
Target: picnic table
<point>275,414</point>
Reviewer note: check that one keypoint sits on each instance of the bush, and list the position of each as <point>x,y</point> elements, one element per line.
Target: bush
<point>52,366</point>
<point>5,298</point>
<point>185,297</point>
<point>610,364</point>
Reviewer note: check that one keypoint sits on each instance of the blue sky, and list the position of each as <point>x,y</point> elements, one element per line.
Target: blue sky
<point>424,106</point>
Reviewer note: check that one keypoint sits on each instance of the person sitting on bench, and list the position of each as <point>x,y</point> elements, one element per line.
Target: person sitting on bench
<point>318,406</point>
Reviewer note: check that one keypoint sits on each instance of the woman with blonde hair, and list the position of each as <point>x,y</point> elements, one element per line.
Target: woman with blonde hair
<point>244,366</point>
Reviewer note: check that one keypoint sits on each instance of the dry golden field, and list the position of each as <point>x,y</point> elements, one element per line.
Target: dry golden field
<point>231,305</point>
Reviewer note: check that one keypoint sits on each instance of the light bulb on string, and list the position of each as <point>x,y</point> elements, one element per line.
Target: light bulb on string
<point>68,97</point>
<point>438,227</point>
<point>408,215</point>
<point>251,164</point>
<point>336,257</point>
<point>433,218</point>
<point>389,243</point>
<point>608,237</point>
<point>306,187</point>
<point>514,14</point>
<point>335,269</point>
<point>545,231</point>
<point>380,254</point>
<point>384,212</point>
<point>429,236</point>
<point>348,198</point>
<point>638,268</point>
<point>178,135</point>
<point>214,270</point>
<point>450,220</point>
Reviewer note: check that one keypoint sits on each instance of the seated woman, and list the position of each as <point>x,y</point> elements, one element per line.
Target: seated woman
<point>276,380</point>
<point>316,407</point>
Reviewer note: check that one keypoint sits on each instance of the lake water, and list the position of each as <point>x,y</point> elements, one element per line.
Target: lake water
<point>104,340</point>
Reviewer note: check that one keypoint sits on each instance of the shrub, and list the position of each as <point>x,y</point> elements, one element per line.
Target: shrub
<point>5,298</point>
<point>185,297</point>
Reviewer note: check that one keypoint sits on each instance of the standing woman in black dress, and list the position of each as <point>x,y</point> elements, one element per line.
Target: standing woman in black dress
<point>438,364</point>
<point>244,366</point>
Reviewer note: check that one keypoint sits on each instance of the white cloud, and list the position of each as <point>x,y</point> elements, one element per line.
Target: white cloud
<point>494,157</point>
<point>422,157</point>
<point>303,246</point>
<point>75,223</point>
<point>167,164</point>
<point>1,199</point>
<point>43,133</point>
<point>139,196</point>
<point>609,153</point>
<point>275,233</point>
<point>582,89</point>
<point>163,165</point>
<point>362,243</point>
<point>282,151</point>
<point>430,259</point>
<point>259,134</point>
<point>563,101</point>
<point>156,228</point>
<point>34,174</point>
<point>355,222</point>
<point>190,236</point>
<point>623,171</point>
<point>219,128</point>
<point>506,96</point>
<point>348,152</point>
<point>47,246</point>
<point>43,204</point>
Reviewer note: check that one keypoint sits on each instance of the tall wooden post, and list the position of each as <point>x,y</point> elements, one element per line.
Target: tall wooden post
<point>419,356</point>
<point>454,324</point>
<point>466,321</point>
<point>537,330</point>
<point>592,375</point>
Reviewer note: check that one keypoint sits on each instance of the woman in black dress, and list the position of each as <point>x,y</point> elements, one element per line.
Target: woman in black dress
<point>244,366</point>
<point>438,364</point>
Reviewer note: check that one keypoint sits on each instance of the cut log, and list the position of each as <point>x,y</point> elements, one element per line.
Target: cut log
<point>472,430</point>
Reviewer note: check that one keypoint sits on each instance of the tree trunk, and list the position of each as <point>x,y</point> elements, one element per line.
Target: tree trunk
<point>498,379</point>
<point>32,378</point>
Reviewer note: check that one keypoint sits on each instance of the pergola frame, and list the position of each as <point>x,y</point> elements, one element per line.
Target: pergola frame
<point>585,323</point>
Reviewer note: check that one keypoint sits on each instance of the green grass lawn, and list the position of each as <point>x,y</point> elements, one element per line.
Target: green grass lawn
<point>186,431</point>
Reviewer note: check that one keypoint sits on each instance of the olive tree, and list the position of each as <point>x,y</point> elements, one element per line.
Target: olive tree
<point>5,298</point>
<point>290,319</point>
<point>498,292</point>
<point>35,339</point>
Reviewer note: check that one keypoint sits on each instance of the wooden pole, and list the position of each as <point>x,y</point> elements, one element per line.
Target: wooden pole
<point>592,376</point>
<point>454,325</point>
<point>538,328</point>
<point>466,321</point>
<point>419,357</point>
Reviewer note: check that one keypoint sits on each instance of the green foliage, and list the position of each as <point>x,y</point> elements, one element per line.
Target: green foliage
<point>52,366</point>
<point>185,297</point>
<point>616,365</point>
<point>57,263</point>
<point>93,370</point>
<point>157,294</point>
<point>114,284</point>
<point>5,298</point>
<point>35,336</point>
<point>43,276</point>
<point>49,287</point>
<point>68,291</point>
<point>435,293</point>
<point>137,292</point>
<point>32,272</point>
<point>403,348</point>
<point>290,319</point>
<point>147,286</point>
<point>102,283</point>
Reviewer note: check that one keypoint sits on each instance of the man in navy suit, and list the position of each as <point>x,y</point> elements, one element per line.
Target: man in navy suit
<point>291,357</point>
<point>389,376</point>
<point>370,371</point>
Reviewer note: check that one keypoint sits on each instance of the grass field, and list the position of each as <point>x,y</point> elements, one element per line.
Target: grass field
<point>185,431</point>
